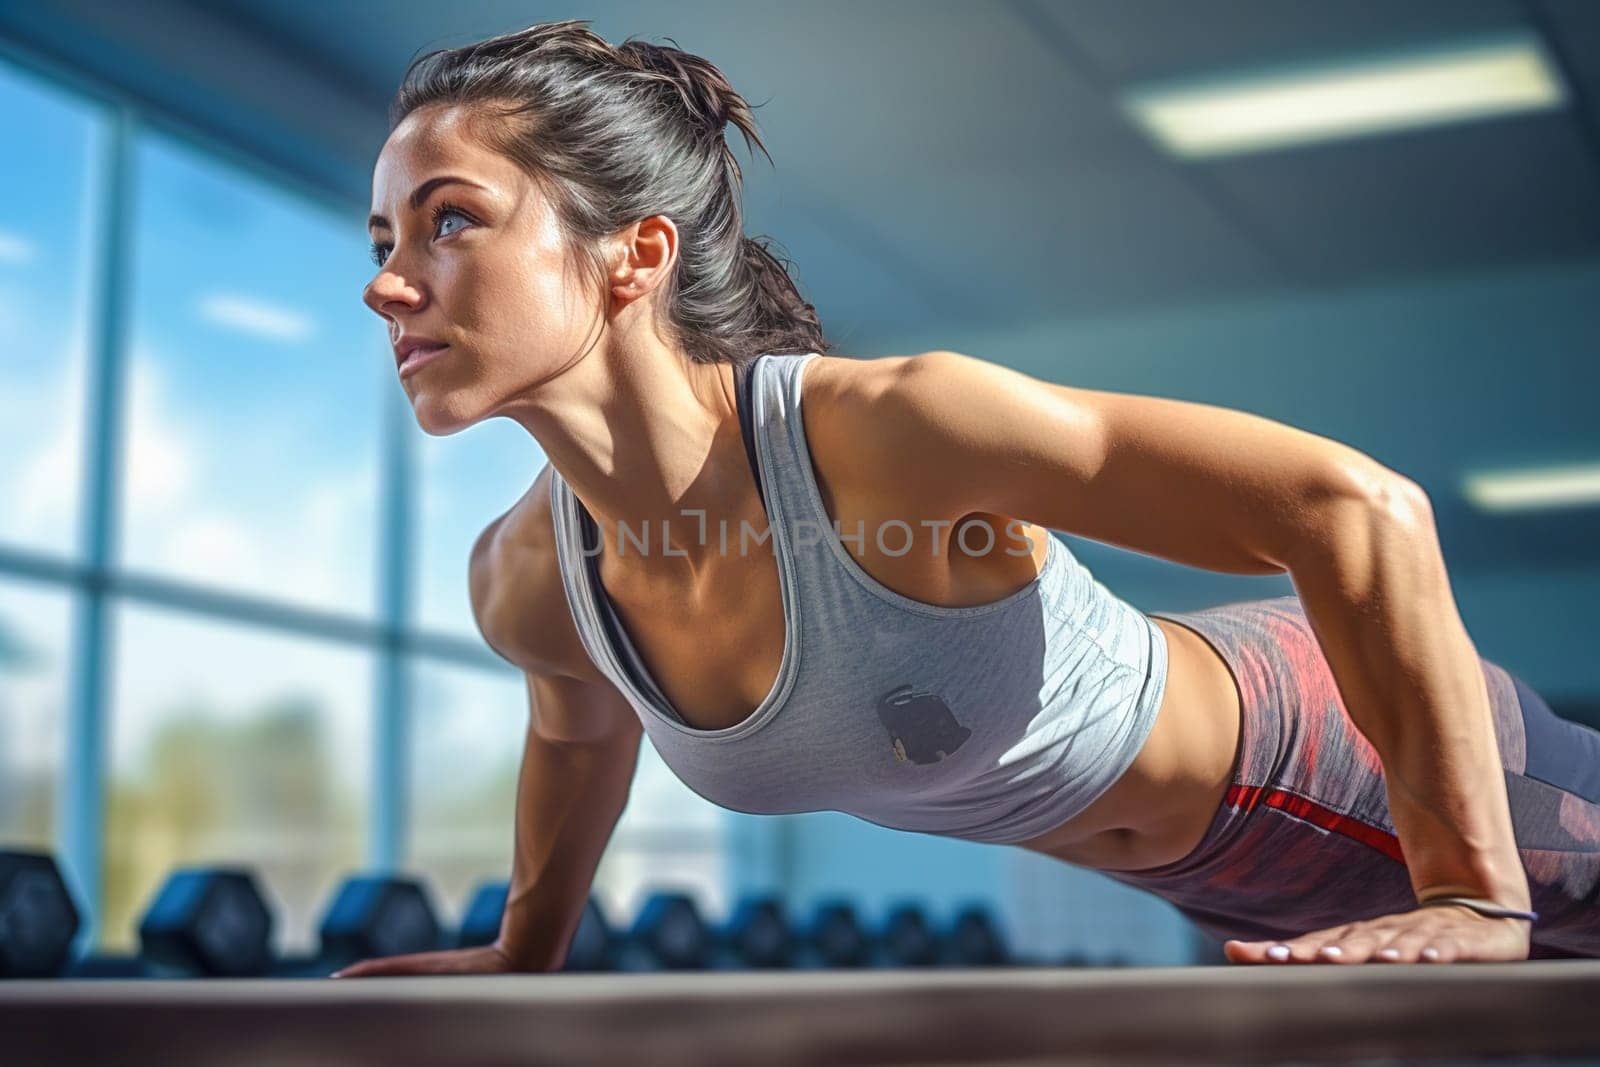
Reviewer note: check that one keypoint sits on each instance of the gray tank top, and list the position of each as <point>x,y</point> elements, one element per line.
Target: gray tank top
<point>996,722</point>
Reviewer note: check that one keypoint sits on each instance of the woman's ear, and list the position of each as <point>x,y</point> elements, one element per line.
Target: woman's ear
<point>646,253</point>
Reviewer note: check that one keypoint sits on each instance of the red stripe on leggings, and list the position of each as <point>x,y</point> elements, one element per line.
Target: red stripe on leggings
<point>1249,796</point>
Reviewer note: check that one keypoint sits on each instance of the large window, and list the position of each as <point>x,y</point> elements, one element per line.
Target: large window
<point>253,402</point>
<point>46,208</point>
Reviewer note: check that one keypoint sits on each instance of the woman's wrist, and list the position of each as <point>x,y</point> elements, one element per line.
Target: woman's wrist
<point>1482,906</point>
<point>520,960</point>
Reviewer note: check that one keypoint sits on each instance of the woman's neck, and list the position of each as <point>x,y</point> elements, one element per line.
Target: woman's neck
<point>644,436</point>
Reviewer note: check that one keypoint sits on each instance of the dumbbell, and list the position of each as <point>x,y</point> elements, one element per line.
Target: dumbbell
<point>668,934</point>
<point>373,916</point>
<point>38,918</point>
<point>756,935</point>
<point>214,922</point>
<point>973,939</point>
<point>832,937</point>
<point>207,921</point>
<point>905,939</point>
<point>592,944</point>
<point>202,922</point>
<point>369,916</point>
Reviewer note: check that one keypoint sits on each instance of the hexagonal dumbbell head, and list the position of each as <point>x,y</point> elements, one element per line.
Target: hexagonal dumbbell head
<point>208,921</point>
<point>38,919</point>
<point>670,928</point>
<point>834,935</point>
<point>973,939</point>
<point>757,933</point>
<point>375,916</point>
<point>906,939</point>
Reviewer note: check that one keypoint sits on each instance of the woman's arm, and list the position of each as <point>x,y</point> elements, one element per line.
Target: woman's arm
<point>577,765</point>
<point>578,755</point>
<point>1234,492</point>
<point>1378,598</point>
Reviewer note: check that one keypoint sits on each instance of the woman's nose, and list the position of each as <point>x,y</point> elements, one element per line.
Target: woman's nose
<point>388,288</point>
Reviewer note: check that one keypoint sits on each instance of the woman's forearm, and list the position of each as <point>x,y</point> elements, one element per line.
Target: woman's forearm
<point>569,797</point>
<point>1378,597</point>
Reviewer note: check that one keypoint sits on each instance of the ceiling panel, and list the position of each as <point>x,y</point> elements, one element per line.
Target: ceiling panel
<point>1039,242</point>
<point>1135,40</point>
<point>1473,195</point>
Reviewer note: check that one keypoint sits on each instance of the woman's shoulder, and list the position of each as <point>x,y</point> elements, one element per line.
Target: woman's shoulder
<point>836,379</point>
<point>518,598</point>
<point>849,407</point>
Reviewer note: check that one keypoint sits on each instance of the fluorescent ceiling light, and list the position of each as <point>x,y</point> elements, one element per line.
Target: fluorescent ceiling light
<point>1270,110</point>
<point>1542,487</point>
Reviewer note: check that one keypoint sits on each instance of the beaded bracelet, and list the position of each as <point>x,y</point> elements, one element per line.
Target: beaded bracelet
<point>1483,907</point>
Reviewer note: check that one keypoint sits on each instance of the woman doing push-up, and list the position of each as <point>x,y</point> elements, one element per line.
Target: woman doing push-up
<point>829,583</point>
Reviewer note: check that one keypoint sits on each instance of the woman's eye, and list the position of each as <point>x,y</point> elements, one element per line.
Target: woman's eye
<point>443,216</point>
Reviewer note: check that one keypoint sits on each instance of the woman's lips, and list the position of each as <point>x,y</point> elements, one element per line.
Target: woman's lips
<point>420,358</point>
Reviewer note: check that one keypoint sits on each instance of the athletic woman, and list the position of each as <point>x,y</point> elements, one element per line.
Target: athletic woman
<point>829,583</point>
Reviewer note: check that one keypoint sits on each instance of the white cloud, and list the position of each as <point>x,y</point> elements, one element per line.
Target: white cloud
<point>160,465</point>
<point>213,548</point>
<point>43,441</point>
<point>256,317</point>
<point>45,433</point>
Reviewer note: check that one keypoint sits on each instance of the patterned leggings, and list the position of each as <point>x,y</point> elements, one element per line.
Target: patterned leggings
<point>1303,839</point>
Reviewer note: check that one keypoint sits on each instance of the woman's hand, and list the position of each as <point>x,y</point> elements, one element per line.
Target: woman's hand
<point>485,959</point>
<point>1442,933</point>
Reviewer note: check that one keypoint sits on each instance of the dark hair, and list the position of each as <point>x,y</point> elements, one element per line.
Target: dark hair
<point>615,134</point>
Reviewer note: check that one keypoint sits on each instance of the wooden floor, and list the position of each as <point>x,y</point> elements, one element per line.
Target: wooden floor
<point>1235,1015</point>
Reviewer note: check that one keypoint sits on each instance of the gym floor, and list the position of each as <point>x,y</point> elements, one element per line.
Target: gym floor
<point>1534,1013</point>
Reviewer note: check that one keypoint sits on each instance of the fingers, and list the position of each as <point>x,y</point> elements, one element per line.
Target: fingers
<point>1425,935</point>
<point>1348,949</point>
<point>1247,951</point>
<point>356,970</point>
<point>388,965</point>
<point>1319,946</point>
<point>1419,948</point>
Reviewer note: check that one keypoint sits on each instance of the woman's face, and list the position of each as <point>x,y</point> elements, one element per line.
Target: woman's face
<point>475,263</point>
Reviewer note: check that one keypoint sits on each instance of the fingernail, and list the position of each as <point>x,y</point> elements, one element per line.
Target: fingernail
<point>1332,950</point>
<point>1278,952</point>
<point>1430,953</point>
<point>1389,954</point>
